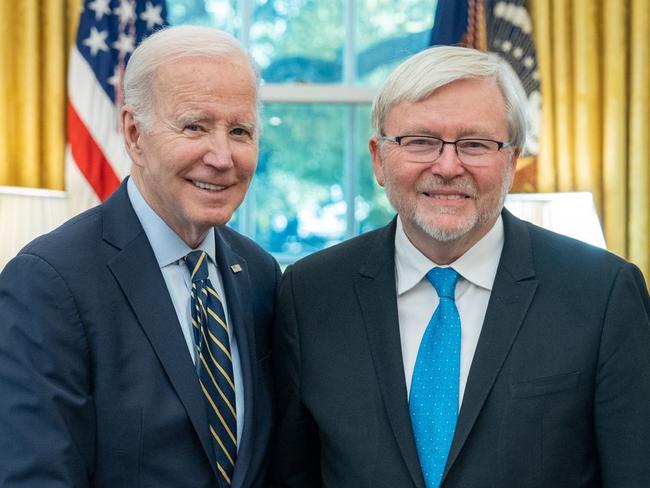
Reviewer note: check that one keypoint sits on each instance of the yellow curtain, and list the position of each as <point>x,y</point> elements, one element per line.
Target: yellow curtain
<point>35,38</point>
<point>594,59</point>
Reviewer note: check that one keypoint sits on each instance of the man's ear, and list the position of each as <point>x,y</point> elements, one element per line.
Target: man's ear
<point>513,164</point>
<point>131,132</point>
<point>375,154</point>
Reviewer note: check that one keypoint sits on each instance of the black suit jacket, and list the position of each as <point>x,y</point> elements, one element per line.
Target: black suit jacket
<point>558,393</point>
<point>97,386</point>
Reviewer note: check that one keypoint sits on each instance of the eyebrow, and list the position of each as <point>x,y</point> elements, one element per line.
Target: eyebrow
<point>190,118</point>
<point>463,132</point>
<point>194,117</point>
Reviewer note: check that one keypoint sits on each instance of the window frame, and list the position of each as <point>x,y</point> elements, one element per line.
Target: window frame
<point>347,93</point>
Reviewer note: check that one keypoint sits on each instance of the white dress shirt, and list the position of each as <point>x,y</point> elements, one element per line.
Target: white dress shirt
<point>417,298</point>
<point>170,251</point>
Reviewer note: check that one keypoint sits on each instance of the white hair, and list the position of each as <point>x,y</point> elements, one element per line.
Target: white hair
<point>167,46</point>
<point>420,75</point>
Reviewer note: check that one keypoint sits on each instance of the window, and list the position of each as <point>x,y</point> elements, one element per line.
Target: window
<point>321,62</point>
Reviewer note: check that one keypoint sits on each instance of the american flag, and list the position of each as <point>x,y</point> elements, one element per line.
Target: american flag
<point>502,27</point>
<point>109,30</point>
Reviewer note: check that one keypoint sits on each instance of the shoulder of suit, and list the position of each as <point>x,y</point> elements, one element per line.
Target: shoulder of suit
<point>80,232</point>
<point>549,246</point>
<point>70,249</point>
<point>353,251</point>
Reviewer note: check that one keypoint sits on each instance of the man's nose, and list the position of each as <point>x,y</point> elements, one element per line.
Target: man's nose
<point>218,153</point>
<point>448,164</point>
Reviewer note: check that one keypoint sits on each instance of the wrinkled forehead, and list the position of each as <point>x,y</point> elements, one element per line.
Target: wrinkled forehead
<point>232,72</point>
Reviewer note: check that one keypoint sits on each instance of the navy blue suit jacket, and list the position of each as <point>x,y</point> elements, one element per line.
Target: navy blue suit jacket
<point>558,394</point>
<point>97,387</point>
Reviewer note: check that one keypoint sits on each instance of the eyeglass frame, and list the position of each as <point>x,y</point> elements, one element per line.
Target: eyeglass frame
<point>397,140</point>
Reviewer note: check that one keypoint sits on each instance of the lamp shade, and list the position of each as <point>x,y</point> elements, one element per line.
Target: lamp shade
<point>572,214</point>
<point>26,213</point>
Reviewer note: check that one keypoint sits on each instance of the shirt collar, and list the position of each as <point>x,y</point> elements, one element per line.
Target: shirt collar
<point>478,265</point>
<point>167,245</point>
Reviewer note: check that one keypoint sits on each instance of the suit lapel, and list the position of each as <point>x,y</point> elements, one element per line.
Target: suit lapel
<point>237,287</point>
<point>512,293</point>
<point>136,270</point>
<point>376,292</point>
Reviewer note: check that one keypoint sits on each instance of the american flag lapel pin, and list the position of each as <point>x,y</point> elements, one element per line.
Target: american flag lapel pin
<point>236,268</point>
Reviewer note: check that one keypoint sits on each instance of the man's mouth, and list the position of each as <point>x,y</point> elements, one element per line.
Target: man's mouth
<point>446,196</point>
<point>208,186</point>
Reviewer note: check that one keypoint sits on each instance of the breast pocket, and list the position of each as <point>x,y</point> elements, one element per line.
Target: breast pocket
<point>546,385</point>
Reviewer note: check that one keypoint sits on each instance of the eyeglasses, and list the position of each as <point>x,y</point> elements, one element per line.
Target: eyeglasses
<point>427,149</point>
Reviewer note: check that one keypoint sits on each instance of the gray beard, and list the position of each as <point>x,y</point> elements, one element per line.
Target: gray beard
<point>480,218</point>
<point>446,235</point>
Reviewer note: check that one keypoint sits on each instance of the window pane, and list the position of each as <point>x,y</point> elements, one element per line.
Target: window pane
<point>297,200</point>
<point>304,40</point>
<point>388,32</point>
<point>372,209</point>
<point>222,14</point>
<point>298,40</point>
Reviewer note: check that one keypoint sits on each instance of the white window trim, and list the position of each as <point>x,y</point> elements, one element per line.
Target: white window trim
<point>310,93</point>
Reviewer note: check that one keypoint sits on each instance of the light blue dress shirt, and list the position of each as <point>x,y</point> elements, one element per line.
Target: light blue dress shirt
<point>170,251</point>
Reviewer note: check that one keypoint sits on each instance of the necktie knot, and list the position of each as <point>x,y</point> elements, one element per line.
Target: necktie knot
<point>444,281</point>
<point>197,263</point>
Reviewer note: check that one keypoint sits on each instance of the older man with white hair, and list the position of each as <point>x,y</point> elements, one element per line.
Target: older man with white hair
<point>459,346</point>
<point>134,339</point>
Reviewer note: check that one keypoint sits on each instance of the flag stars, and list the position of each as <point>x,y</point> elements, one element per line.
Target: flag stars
<point>152,15</point>
<point>100,7</point>
<point>529,62</point>
<point>114,80</point>
<point>517,52</point>
<point>96,41</point>
<point>126,11</point>
<point>124,44</point>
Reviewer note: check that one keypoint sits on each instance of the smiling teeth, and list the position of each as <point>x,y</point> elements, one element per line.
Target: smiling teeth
<point>448,197</point>
<point>207,186</point>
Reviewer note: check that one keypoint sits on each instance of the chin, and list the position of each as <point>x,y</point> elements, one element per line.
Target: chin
<point>219,221</point>
<point>206,221</point>
<point>448,228</point>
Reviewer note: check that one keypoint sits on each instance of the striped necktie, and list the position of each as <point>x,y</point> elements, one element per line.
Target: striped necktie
<point>433,401</point>
<point>214,363</point>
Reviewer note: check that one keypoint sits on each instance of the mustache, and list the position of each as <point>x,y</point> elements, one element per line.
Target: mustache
<point>432,183</point>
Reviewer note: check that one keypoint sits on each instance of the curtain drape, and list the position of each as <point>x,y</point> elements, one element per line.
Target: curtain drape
<point>35,37</point>
<point>594,61</point>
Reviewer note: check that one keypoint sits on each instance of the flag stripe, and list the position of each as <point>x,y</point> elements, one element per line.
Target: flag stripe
<point>89,157</point>
<point>97,111</point>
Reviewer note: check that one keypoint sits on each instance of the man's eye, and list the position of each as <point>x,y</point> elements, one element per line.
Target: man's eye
<point>416,141</point>
<point>240,132</point>
<point>475,144</point>
<point>193,127</point>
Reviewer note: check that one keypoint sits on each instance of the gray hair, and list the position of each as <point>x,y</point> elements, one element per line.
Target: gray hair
<point>420,75</point>
<point>167,46</point>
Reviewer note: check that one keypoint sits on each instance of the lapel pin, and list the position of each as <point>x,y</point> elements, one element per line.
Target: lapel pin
<point>236,268</point>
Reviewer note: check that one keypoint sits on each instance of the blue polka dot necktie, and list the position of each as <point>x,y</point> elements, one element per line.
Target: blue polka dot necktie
<point>214,363</point>
<point>433,401</point>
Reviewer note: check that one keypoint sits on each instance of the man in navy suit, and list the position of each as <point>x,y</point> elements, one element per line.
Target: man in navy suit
<point>98,366</point>
<point>552,366</point>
